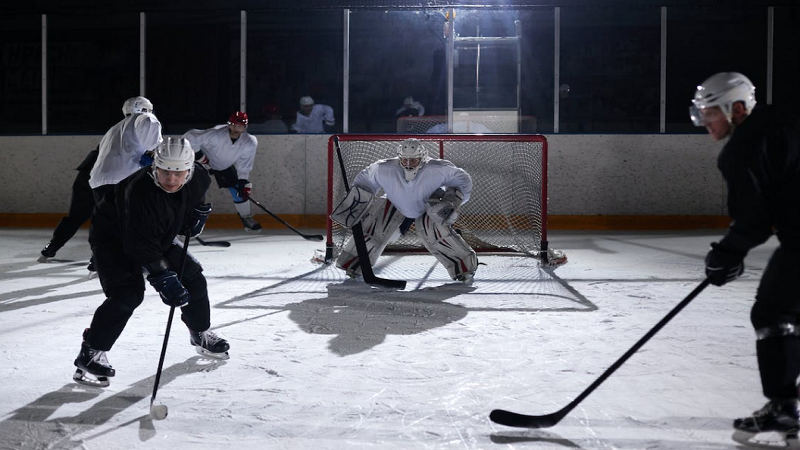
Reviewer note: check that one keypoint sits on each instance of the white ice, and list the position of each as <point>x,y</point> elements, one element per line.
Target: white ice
<point>320,362</point>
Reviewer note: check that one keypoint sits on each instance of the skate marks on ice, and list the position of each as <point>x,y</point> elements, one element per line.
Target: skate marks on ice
<point>46,422</point>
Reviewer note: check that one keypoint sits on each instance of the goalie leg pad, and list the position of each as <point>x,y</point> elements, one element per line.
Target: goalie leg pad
<point>448,247</point>
<point>353,207</point>
<point>379,225</point>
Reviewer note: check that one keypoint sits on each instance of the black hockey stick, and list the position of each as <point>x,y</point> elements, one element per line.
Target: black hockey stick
<point>212,243</point>
<point>358,236</point>
<point>310,237</point>
<point>159,412</point>
<point>513,419</point>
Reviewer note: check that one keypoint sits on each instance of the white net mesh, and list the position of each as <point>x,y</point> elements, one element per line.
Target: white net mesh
<point>507,208</point>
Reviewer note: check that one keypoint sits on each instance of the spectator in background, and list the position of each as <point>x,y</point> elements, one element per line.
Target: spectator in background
<point>313,118</point>
<point>410,107</point>
<point>273,124</point>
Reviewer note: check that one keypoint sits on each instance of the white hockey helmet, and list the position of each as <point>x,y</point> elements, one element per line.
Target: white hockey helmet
<point>174,154</point>
<point>126,107</point>
<point>412,156</point>
<point>139,105</point>
<point>723,90</point>
<point>306,101</point>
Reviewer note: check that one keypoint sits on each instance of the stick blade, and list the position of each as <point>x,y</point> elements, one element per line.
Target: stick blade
<point>383,282</point>
<point>512,419</point>
<point>315,237</point>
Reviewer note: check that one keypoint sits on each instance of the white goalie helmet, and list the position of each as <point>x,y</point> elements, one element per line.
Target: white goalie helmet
<point>139,105</point>
<point>723,90</point>
<point>412,156</point>
<point>174,154</point>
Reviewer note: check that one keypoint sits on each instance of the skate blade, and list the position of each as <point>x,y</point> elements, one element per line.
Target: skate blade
<point>221,356</point>
<point>759,440</point>
<point>85,378</point>
<point>44,259</point>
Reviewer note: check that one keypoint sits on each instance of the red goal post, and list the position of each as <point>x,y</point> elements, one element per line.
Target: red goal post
<point>507,210</point>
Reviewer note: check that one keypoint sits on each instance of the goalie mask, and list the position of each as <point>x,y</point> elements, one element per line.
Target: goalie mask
<point>722,90</point>
<point>138,105</point>
<point>412,156</point>
<point>173,164</point>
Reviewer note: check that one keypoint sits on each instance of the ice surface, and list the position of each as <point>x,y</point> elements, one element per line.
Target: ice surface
<point>321,362</point>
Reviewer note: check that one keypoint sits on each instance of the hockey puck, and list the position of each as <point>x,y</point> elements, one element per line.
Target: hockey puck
<point>158,412</point>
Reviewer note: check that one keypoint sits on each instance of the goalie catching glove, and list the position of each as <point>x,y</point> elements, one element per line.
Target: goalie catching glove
<point>444,205</point>
<point>353,207</point>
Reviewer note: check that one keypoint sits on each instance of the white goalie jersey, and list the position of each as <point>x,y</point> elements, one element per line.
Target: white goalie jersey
<point>410,197</point>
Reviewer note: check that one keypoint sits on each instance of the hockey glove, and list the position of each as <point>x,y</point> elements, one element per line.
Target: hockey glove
<point>243,187</point>
<point>723,265</point>
<point>201,158</point>
<point>443,208</point>
<point>169,288</point>
<point>198,217</point>
<point>146,159</point>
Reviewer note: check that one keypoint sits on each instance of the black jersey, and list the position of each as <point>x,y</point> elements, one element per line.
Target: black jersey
<point>761,167</point>
<point>141,218</point>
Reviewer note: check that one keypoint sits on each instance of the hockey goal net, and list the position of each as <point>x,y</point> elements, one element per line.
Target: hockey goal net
<point>507,210</point>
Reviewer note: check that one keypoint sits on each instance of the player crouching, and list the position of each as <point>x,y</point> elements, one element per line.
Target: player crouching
<point>134,226</point>
<point>418,189</point>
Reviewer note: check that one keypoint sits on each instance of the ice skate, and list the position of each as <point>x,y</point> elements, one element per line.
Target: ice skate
<point>207,343</point>
<point>93,368</point>
<point>773,426</point>
<point>250,223</point>
<point>48,252</point>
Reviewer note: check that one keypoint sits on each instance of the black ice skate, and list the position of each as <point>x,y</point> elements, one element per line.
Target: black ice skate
<point>250,223</point>
<point>49,251</point>
<point>778,417</point>
<point>209,344</point>
<point>93,368</point>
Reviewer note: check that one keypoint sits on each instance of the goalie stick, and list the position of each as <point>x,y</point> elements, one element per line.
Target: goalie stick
<point>310,237</point>
<point>358,236</point>
<point>513,419</point>
<point>213,243</point>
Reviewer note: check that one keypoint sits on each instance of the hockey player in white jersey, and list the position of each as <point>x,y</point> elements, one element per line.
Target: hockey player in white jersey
<point>418,189</point>
<point>229,151</point>
<point>126,147</point>
<point>313,117</point>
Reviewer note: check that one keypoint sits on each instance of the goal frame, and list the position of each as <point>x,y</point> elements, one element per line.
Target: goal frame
<point>440,140</point>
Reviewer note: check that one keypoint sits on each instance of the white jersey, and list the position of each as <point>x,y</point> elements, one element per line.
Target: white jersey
<point>122,148</point>
<point>221,152</point>
<point>312,123</point>
<point>409,197</point>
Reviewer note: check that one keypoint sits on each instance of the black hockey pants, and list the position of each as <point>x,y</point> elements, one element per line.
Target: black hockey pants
<point>777,307</point>
<point>124,285</point>
<point>80,210</point>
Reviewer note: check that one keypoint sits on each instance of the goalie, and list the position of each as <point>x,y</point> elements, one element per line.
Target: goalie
<point>418,189</point>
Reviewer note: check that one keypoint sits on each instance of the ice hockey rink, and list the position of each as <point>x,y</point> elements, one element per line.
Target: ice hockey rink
<point>321,362</point>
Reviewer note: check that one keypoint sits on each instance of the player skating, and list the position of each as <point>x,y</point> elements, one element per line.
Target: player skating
<point>230,152</point>
<point>418,190</point>
<point>134,228</point>
<point>761,166</point>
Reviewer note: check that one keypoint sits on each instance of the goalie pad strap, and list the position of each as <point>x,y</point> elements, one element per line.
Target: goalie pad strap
<point>353,207</point>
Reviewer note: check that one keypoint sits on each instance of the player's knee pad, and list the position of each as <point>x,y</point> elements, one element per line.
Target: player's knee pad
<point>448,247</point>
<point>379,225</point>
<point>125,299</point>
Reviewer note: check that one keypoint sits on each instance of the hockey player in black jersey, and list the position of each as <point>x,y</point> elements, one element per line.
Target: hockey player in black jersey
<point>134,227</point>
<point>760,163</point>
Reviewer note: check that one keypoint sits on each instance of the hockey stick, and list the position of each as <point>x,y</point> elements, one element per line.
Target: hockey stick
<point>361,244</point>
<point>213,243</point>
<point>310,237</point>
<point>159,412</point>
<point>513,419</point>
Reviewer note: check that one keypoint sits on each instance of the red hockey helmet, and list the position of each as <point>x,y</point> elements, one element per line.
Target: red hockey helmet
<point>238,117</point>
